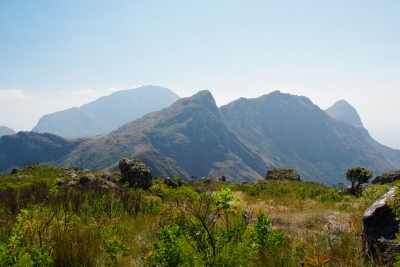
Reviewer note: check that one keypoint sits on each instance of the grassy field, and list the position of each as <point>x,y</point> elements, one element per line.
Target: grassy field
<point>274,223</point>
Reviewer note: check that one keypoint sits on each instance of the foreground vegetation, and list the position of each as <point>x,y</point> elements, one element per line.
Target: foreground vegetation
<point>274,223</point>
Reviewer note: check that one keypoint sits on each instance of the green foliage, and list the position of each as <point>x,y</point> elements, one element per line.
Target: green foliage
<point>43,224</point>
<point>16,253</point>
<point>358,176</point>
<point>264,236</point>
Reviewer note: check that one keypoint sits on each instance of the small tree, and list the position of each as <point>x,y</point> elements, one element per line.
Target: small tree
<point>358,176</point>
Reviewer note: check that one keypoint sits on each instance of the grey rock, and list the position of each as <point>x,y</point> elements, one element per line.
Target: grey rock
<point>107,176</point>
<point>14,171</point>
<point>379,228</point>
<point>170,183</point>
<point>86,179</point>
<point>281,173</point>
<point>73,176</point>
<point>71,183</point>
<point>387,177</point>
<point>135,173</point>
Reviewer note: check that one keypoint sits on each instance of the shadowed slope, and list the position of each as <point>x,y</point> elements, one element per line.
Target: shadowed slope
<point>192,132</point>
<point>293,132</point>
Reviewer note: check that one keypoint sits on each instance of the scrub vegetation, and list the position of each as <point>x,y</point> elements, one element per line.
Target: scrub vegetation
<point>269,223</point>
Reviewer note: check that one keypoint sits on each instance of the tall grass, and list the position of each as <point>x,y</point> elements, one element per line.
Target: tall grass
<point>276,224</point>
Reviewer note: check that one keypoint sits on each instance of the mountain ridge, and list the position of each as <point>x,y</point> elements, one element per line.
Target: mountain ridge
<point>107,113</point>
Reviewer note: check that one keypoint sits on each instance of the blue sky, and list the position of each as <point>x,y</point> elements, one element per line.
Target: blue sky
<point>59,54</point>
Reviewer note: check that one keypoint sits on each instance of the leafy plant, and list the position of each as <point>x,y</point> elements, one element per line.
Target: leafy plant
<point>315,261</point>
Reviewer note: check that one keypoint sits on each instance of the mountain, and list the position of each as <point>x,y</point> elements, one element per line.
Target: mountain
<point>6,131</point>
<point>24,147</point>
<point>342,110</point>
<point>191,132</point>
<point>106,113</point>
<point>293,132</point>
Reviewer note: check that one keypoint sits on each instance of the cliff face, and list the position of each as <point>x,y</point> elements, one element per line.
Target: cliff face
<point>24,147</point>
<point>106,113</point>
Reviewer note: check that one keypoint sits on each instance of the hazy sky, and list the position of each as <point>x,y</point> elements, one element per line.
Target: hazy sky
<point>59,54</point>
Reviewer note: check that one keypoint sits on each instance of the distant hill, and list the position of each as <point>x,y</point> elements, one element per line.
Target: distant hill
<point>24,147</point>
<point>106,113</point>
<point>342,110</point>
<point>192,132</point>
<point>6,131</point>
<point>292,132</point>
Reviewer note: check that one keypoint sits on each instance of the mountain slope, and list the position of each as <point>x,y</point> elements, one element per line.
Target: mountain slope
<point>192,132</point>
<point>342,110</point>
<point>293,132</point>
<point>106,113</point>
<point>24,147</point>
<point>6,131</point>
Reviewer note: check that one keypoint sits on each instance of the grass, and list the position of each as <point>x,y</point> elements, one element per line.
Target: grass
<point>279,223</point>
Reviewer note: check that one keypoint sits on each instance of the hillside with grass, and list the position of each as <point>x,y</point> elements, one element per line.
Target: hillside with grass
<point>45,216</point>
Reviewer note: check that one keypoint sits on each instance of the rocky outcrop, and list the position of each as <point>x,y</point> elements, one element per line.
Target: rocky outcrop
<point>387,177</point>
<point>135,173</point>
<point>105,181</point>
<point>282,173</point>
<point>379,228</point>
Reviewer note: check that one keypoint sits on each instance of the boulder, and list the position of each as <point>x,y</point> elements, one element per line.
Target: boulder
<point>378,231</point>
<point>387,177</point>
<point>135,173</point>
<point>14,171</point>
<point>107,176</point>
<point>171,183</point>
<point>86,179</point>
<point>282,173</point>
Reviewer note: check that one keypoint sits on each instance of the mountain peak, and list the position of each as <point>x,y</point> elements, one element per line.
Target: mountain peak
<point>342,110</point>
<point>6,131</point>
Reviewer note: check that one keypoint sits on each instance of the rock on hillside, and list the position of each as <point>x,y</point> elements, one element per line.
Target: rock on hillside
<point>192,132</point>
<point>24,147</point>
<point>6,131</point>
<point>106,113</point>
<point>293,132</point>
<point>342,110</point>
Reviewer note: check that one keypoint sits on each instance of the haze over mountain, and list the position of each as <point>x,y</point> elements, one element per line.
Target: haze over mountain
<point>106,113</point>
<point>4,130</point>
<point>293,132</point>
<point>342,110</point>
<point>192,132</point>
<point>241,140</point>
